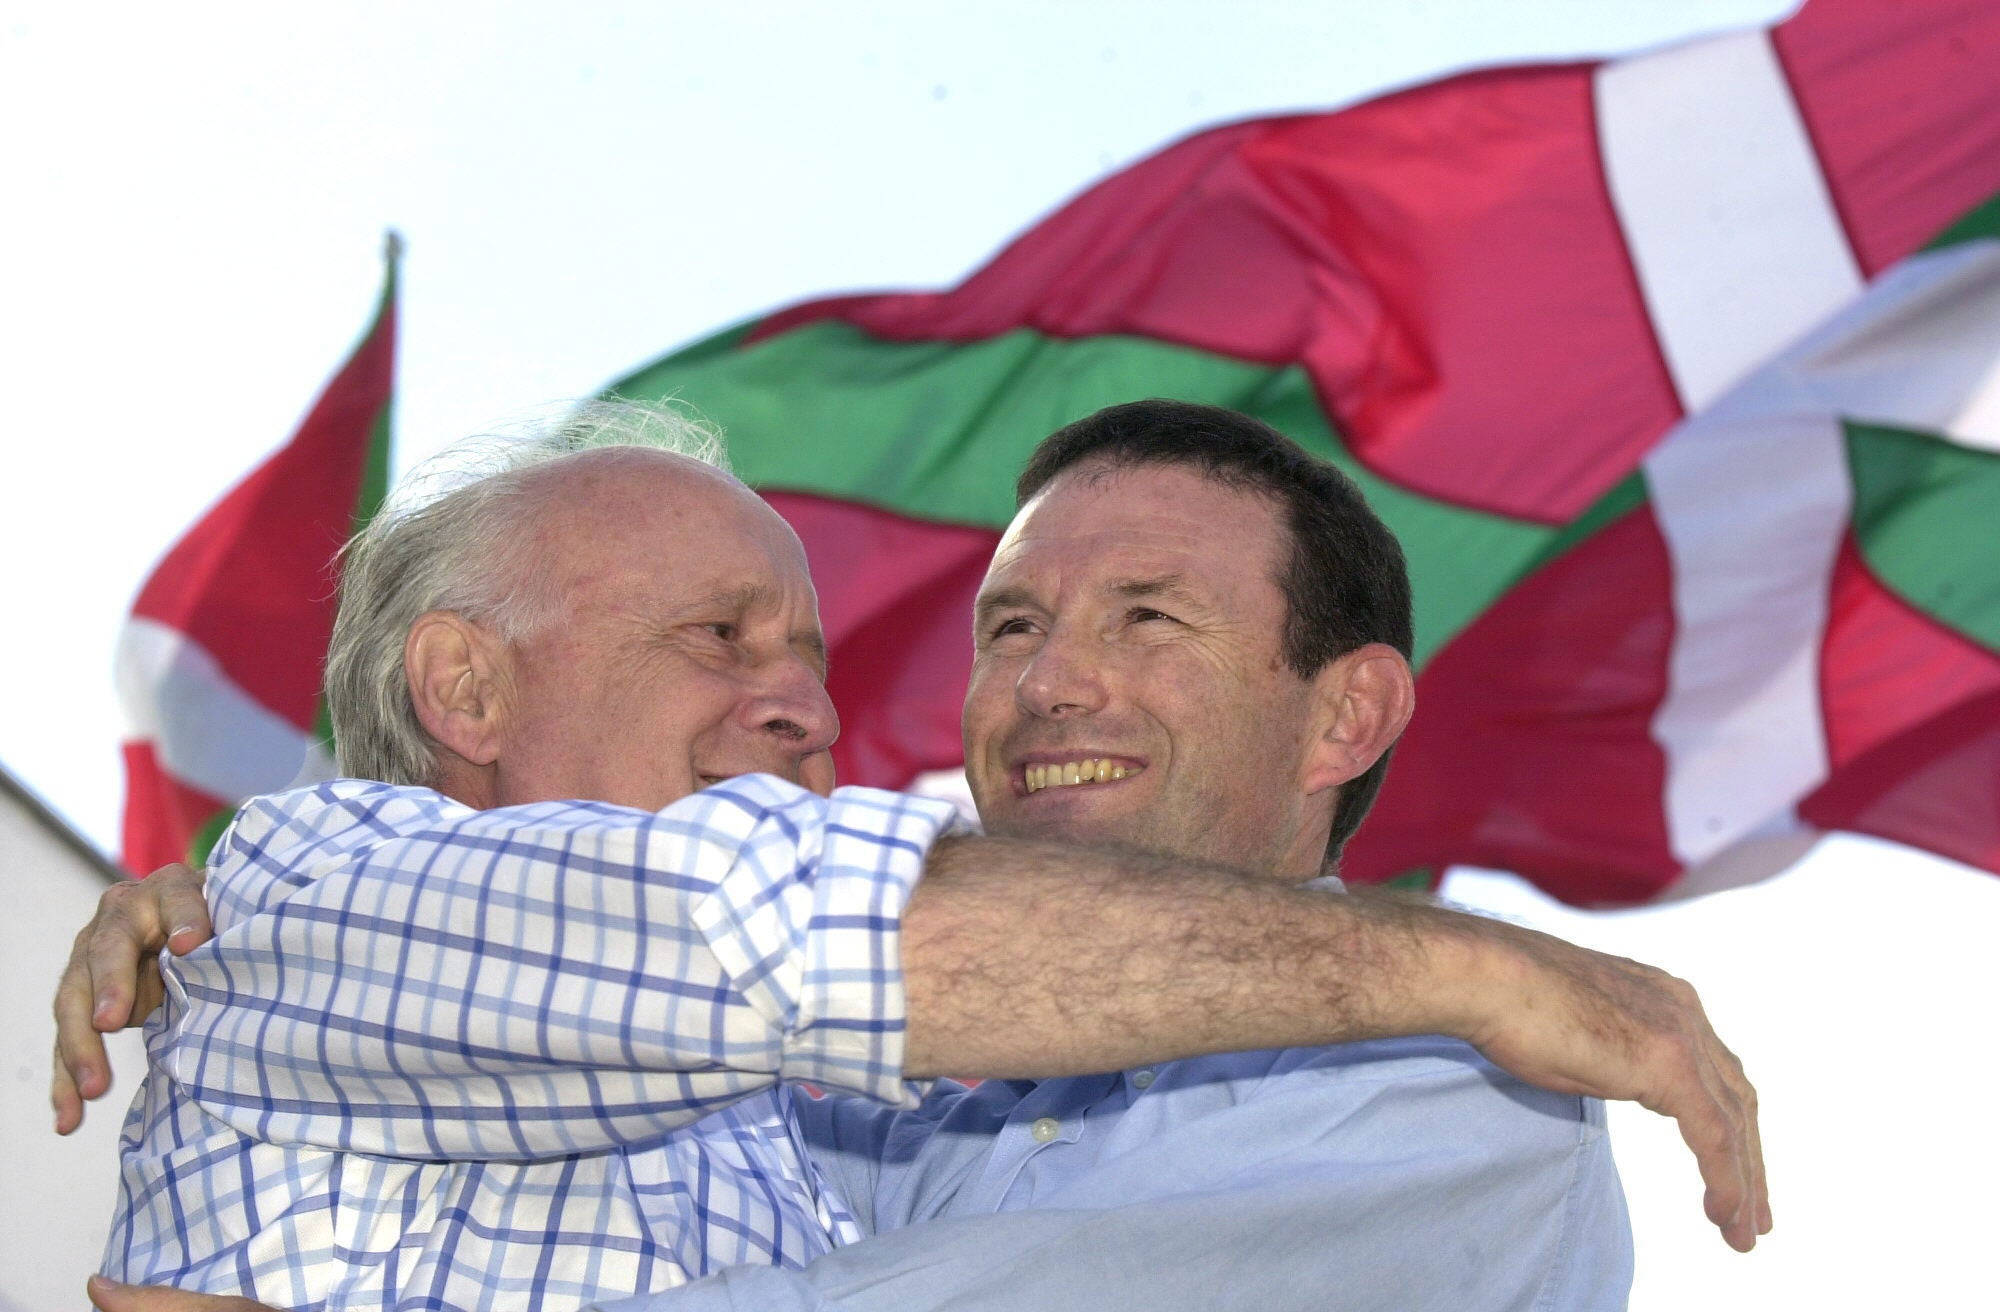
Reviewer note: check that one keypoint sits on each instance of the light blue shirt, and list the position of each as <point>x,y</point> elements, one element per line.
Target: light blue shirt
<point>1404,1174</point>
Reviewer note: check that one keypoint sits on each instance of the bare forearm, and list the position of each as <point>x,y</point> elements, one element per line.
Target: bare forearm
<point>1025,959</point>
<point>1034,959</point>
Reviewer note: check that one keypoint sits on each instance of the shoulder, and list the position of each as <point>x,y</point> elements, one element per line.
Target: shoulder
<point>282,842</point>
<point>332,817</point>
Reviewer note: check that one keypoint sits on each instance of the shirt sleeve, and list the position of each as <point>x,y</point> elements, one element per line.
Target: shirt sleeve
<point>550,979</point>
<point>1375,1176</point>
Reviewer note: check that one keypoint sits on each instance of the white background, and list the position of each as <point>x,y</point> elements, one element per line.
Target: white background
<point>188,246</point>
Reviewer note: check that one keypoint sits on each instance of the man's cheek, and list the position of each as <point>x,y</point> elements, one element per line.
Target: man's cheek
<point>816,773</point>
<point>983,720</point>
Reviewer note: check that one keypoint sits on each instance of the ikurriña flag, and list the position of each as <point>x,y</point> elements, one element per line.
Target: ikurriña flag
<point>219,664</point>
<point>1674,374</point>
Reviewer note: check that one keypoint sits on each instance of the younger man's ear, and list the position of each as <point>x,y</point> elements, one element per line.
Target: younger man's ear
<point>1362,702</point>
<point>456,676</point>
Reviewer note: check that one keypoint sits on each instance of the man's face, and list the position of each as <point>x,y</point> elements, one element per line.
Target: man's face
<point>688,647</point>
<point>1132,620</point>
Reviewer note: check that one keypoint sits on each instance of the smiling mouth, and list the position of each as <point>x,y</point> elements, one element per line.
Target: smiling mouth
<point>1070,773</point>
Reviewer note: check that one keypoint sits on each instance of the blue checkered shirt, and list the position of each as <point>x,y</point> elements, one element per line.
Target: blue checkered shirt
<point>444,1058</point>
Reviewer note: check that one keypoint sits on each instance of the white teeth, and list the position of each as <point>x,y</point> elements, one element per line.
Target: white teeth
<point>1090,771</point>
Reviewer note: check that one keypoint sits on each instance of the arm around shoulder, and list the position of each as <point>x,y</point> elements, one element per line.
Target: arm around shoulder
<point>1034,959</point>
<point>1028,959</point>
<point>603,974</point>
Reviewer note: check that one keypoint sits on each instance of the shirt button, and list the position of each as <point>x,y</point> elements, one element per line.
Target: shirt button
<point>1143,1079</point>
<point>1045,1129</point>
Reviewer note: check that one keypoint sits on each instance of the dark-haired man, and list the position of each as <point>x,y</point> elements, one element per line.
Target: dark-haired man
<point>1189,640</point>
<point>1138,682</point>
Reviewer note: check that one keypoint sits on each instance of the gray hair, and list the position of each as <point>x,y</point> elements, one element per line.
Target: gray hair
<point>449,538</point>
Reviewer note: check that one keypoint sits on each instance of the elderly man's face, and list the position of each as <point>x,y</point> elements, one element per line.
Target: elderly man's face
<point>1131,623</point>
<point>689,646</point>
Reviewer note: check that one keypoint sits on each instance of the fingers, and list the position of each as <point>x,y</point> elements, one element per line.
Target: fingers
<point>112,978</point>
<point>1763,1183</point>
<point>111,1296</point>
<point>1706,1130</point>
<point>81,1070</point>
<point>134,921</point>
<point>1749,1214</point>
<point>1759,1216</point>
<point>1652,1041</point>
<point>1729,1200</point>
<point>1699,1082</point>
<point>1746,1094</point>
<point>104,964</point>
<point>183,907</point>
<point>1716,1111</point>
<point>64,1098</point>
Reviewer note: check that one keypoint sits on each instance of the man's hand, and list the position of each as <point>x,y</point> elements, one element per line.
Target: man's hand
<point>113,977</point>
<point>111,1296</point>
<point>1576,1021</point>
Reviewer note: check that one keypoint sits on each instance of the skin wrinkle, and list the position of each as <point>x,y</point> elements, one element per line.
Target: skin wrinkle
<point>728,604</point>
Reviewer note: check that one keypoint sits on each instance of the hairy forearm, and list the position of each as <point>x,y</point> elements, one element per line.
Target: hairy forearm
<point>1029,959</point>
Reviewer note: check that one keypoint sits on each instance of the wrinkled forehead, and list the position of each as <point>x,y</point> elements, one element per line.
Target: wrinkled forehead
<point>663,522</point>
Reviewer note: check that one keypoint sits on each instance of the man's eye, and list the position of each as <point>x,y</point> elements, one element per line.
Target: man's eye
<point>1019,624</point>
<point>722,630</point>
<point>1144,614</point>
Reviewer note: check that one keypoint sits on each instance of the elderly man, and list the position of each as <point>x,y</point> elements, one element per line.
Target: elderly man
<point>1134,685</point>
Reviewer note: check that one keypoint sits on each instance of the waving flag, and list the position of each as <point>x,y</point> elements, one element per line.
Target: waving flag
<point>219,665</point>
<point>1685,412</point>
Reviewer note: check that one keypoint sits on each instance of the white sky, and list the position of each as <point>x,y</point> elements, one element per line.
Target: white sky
<point>195,200</point>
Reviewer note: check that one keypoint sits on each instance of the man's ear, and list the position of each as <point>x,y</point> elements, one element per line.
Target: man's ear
<point>456,672</point>
<point>1361,703</point>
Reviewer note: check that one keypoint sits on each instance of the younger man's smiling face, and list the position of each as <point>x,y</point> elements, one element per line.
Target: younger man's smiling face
<point>1129,637</point>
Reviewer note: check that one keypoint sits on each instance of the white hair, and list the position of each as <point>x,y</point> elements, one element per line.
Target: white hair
<point>451,538</point>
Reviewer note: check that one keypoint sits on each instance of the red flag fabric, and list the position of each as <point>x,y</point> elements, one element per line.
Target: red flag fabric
<point>219,664</point>
<point>1613,347</point>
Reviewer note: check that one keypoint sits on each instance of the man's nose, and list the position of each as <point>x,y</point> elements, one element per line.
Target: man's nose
<point>791,704</point>
<point>1065,676</point>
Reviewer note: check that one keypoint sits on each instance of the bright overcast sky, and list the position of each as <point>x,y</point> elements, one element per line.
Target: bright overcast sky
<point>196,198</point>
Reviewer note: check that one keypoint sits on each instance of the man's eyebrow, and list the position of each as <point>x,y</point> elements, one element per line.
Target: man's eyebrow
<point>739,596</point>
<point>1000,599</point>
<point>1168,587</point>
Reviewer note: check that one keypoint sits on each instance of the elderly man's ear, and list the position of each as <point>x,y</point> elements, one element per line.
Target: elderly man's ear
<point>1361,704</point>
<point>457,677</point>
